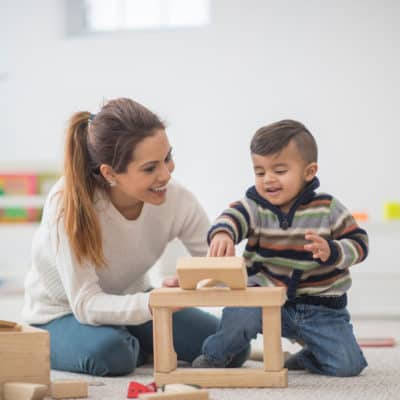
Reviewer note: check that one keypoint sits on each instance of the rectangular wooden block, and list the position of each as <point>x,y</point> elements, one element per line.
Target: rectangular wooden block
<point>224,377</point>
<point>209,297</point>
<point>25,356</point>
<point>24,391</point>
<point>62,389</point>
<point>230,270</point>
<point>193,395</point>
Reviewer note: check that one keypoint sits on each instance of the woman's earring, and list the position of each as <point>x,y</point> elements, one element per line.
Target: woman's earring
<point>113,183</point>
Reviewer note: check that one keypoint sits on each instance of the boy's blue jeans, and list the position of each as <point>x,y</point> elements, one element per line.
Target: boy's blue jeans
<point>118,350</point>
<point>330,346</point>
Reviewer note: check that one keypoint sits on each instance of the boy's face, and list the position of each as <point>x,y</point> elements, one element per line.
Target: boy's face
<point>280,177</point>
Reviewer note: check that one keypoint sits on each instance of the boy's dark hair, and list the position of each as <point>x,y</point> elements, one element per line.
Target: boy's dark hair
<point>271,139</point>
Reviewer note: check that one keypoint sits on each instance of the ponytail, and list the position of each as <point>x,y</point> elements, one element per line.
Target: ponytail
<point>80,219</point>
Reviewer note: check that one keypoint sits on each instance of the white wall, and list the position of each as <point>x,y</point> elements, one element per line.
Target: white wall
<point>332,65</point>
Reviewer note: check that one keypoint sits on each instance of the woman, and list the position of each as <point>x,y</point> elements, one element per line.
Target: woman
<point>104,225</point>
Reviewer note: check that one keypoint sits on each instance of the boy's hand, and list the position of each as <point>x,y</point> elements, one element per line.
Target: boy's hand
<point>319,247</point>
<point>221,245</point>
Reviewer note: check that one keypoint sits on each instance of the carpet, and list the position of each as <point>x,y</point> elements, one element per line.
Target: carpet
<point>379,381</point>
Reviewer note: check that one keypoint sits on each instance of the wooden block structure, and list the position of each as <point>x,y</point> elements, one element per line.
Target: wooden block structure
<point>229,270</point>
<point>24,356</point>
<point>270,300</point>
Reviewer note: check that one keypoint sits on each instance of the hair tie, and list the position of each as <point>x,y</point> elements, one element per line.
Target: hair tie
<point>91,117</point>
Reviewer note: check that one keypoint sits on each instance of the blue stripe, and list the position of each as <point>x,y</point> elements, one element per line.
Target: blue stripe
<point>226,227</point>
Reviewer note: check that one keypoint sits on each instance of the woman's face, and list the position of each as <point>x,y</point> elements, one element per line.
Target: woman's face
<point>146,177</point>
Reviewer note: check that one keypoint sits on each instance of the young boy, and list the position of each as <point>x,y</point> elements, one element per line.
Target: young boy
<point>296,238</point>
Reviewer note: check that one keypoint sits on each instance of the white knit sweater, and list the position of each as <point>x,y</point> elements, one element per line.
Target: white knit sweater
<point>56,285</point>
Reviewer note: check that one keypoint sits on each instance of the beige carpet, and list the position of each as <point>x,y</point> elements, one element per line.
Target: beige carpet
<point>380,381</point>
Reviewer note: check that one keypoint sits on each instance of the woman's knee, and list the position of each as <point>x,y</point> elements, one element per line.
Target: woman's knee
<point>113,355</point>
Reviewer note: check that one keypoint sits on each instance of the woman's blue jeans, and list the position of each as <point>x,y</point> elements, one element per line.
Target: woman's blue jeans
<point>330,345</point>
<point>117,350</point>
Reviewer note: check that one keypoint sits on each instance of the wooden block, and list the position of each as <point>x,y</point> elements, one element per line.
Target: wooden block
<point>230,270</point>
<point>24,391</point>
<point>7,326</point>
<point>165,358</point>
<point>209,297</point>
<point>224,377</point>
<point>25,356</point>
<point>192,395</point>
<point>273,356</point>
<point>61,389</point>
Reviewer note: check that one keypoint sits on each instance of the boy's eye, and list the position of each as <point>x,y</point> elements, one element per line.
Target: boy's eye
<point>281,171</point>
<point>259,173</point>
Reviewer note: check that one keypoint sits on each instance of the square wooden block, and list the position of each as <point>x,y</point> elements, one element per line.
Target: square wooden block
<point>25,356</point>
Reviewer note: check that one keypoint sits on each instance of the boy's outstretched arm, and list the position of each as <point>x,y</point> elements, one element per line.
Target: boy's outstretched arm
<point>230,228</point>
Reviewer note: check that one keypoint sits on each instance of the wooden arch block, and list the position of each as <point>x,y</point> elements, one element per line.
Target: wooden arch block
<point>229,270</point>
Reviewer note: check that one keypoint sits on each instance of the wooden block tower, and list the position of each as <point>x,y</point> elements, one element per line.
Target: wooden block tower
<point>24,355</point>
<point>232,271</point>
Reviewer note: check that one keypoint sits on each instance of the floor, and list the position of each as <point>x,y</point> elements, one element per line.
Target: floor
<point>381,380</point>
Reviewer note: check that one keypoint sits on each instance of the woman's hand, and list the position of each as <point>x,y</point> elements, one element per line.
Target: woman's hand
<point>319,247</point>
<point>170,281</point>
<point>221,245</point>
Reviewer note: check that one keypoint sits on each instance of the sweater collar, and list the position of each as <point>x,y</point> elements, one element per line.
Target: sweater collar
<point>304,197</point>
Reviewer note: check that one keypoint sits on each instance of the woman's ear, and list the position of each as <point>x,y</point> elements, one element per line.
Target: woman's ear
<point>310,171</point>
<point>108,173</point>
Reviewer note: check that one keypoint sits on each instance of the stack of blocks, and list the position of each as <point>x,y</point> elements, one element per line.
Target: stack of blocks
<point>25,355</point>
<point>231,271</point>
<point>25,366</point>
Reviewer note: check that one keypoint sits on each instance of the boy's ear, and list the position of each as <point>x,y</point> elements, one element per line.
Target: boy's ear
<point>311,171</point>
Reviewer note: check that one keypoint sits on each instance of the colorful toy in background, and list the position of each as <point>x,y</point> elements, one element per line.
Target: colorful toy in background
<point>20,214</point>
<point>360,216</point>
<point>17,188</point>
<point>391,210</point>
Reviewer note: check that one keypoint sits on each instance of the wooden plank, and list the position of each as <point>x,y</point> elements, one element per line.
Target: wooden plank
<point>224,377</point>
<point>273,355</point>
<point>230,270</point>
<point>165,358</point>
<point>200,394</point>
<point>250,297</point>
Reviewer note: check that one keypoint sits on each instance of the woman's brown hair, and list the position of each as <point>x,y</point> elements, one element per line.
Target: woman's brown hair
<point>108,137</point>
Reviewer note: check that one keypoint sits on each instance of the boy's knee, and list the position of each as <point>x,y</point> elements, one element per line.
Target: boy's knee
<point>114,356</point>
<point>347,367</point>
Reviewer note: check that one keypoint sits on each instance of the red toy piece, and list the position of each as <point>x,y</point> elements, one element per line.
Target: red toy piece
<point>136,388</point>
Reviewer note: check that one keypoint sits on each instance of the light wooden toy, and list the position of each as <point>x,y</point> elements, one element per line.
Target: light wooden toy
<point>24,391</point>
<point>192,395</point>
<point>62,389</point>
<point>270,300</point>
<point>25,366</point>
<point>24,355</point>
<point>229,270</point>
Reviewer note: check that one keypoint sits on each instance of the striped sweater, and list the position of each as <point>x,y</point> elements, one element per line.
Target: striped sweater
<point>275,254</point>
